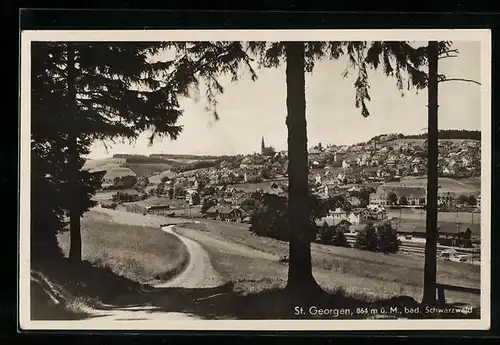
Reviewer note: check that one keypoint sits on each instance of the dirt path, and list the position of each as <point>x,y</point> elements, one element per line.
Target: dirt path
<point>226,245</point>
<point>129,218</point>
<point>198,274</point>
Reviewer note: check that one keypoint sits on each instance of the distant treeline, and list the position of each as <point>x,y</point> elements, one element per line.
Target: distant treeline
<point>450,134</point>
<point>138,159</point>
<point>196,165</point>
<point>126,156</point>
<point>442,134</point>
<point>231,162</point>
<point>174,156</point>
<point>201,163</point>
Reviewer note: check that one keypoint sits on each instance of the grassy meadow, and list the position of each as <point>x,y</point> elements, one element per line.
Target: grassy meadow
<point>138,253</point>
<point>147,169</point>
<point>453,217</point>
<point>252,263</point>
<point>469,186</point>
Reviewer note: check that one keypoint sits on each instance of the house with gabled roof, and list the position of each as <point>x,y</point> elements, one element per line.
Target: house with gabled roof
<point>225,213</point>
<point>332,221</point>
<point>358,216</point>
<point>339,214</point>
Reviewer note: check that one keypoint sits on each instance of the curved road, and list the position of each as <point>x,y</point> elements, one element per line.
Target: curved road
<point>199,272</point>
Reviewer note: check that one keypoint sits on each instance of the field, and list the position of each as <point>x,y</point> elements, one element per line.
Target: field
<point>119,171</point>
<point>417,225</point>
<point>104,164</point>
<point>473,181</point>
<point>176,206</point>
<point>453,186</point>
<point>448,222</point>
<point>252,187</point>
<point>465,219</point>
<point>139,253</point>
<point>108,194</point>
<point>147,169</point>
<point>359,273</point>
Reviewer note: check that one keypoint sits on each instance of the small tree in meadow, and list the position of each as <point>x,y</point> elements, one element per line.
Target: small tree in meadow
<point>387,239</point>
<point>471,200</point>
<point>462,199</point>
<point>326,233</point>
<point>142,182</point>
<point>207,203</point>
<point>392,198</point>
<point>367,239</point>
<point>340,240</point>
<point>196,199</point>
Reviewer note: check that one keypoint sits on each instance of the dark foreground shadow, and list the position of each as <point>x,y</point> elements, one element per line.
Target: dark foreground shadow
<point>107,291</point>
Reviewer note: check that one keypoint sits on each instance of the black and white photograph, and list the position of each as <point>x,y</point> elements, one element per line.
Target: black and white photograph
<point>255,180</point>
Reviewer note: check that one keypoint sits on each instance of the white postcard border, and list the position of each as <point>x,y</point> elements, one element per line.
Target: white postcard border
<point>255,35</point>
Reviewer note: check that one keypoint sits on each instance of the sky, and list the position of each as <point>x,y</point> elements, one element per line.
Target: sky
<point>251,110</point>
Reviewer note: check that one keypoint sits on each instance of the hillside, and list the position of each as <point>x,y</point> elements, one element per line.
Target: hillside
<point>452,134</point>
<point>103,164</point>
<point>144,165</point>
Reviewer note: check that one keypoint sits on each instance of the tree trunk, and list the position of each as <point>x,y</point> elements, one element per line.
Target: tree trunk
<point>75,251</point>
<point>430,269</point>
<point>300,278</point>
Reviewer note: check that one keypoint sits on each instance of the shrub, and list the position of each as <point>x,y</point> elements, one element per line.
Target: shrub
<point>269,218</point>
<point>124,197</point>
<point>387,239</point>
<point>207,203</point>
<point>367,239</point>
<point>196,199</point>
<point>340,239</point>
<point>382,238</point>
<point>326,233</point>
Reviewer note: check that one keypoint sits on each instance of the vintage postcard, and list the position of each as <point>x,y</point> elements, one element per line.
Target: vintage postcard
<point>255,180</point>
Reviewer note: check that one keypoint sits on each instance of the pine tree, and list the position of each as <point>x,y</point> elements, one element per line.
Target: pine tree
<point>430,266</point>
<point>83,92</point>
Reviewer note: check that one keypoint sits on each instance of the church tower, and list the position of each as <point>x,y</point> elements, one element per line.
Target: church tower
<point>262,146</point>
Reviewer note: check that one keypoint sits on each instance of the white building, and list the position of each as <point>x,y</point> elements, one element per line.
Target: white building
<point>358,216</point>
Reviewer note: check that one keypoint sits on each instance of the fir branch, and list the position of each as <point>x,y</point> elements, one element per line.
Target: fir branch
<point>460,79</point>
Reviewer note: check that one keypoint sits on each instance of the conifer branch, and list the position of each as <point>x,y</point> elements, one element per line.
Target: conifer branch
<point>460,79</point>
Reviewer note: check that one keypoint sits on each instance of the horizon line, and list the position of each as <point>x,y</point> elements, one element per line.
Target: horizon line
<point>277,149</point>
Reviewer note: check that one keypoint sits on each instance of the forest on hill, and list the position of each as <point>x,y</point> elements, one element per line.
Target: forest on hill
<point>443,134</point>
<point>451,134</point>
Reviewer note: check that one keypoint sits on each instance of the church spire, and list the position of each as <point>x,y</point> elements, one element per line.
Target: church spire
<point>262,145</point>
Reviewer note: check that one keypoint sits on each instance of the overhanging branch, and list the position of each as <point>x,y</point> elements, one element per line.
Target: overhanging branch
<point>460,79</point>
<point>449,51</point>
<point>447,56</point>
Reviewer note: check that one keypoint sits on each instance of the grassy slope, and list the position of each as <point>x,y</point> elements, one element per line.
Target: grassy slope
<point>105,162</point>
<point>418,225</point>
<point>357,272</point>
<point>147,169</point>
<point>456,186</point>
<point>139,253</point>
<point>419,214</point>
